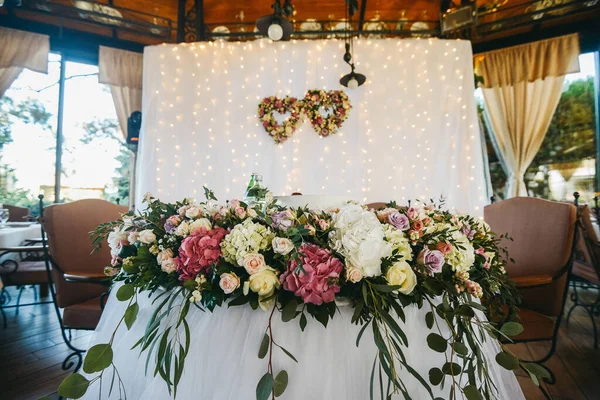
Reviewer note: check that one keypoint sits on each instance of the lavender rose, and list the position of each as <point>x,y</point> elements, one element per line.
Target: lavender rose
<point>433,260</point>
<point>283,220</point>
<point>399,221</point>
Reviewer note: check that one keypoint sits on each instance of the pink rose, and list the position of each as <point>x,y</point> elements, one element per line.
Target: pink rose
<point>433,260</point>
<point>254,263</point>
<point>412,213</point>
<point>399,221</point>
<point>444,247</point>
<point>199,251</point>
<point>240,212</point>
<point>418,225</point>
<point>320,282</point>
<point>324,225</point>
<point>229,282</point>
<point>234,203</point>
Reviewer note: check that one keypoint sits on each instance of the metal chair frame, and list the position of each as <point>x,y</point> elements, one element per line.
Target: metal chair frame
<point>76,353</point>
<point>5,297</point>
<point>580,285</point>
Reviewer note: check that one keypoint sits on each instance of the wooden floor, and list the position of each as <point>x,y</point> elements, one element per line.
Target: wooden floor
<point>32,352</point>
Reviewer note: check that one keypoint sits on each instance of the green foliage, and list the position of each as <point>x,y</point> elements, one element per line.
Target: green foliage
<point>73,387</point>
<point>280,383</point>
<point>264,387</point>
<point>131,314</point>
<point>125,292</point>
<point>97,358</point>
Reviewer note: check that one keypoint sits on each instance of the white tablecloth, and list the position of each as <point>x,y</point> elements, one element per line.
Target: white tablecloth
<point>10,236</point>
<point>222,363</point>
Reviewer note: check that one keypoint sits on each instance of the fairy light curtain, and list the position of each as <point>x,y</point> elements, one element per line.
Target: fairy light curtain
<point>412,131</point>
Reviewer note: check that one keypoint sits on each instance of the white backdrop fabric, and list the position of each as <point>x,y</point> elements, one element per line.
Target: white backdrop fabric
<point>412,131</point>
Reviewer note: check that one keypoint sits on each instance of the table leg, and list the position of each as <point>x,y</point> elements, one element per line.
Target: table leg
<point>43,290</point>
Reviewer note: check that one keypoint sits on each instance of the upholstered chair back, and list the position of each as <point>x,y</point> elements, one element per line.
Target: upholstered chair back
<point>542,233</point>
<point>68,228</point>
<point>16,213</point>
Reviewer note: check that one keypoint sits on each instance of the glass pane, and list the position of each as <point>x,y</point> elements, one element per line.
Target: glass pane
<point>95,157</point>
<point>28,112</point>
<point>566,161</point>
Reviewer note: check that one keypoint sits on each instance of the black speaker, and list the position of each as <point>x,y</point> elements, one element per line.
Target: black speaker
<point>134,123</point>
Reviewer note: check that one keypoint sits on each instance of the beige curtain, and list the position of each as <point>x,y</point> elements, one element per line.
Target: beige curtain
<point>123,72</point>
<point>522,87</point>
<point>18,50</point>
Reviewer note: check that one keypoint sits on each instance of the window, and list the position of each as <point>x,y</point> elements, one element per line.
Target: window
<point>94,161</point>
<point>566,161</point>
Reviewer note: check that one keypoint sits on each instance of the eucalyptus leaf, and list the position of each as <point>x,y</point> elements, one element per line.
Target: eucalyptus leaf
<point>289,311</point>
<point>125,292</point>
<point>73,387</point>
<point>429,319</point>
<point>264,387</point>
<point>511,328</point>
<point>437,343</point>
<point>264,346</point>
<point>280,383</point>
<point>460,348</point>
<point>99,357</point>
<point>131,314</point>
<point>507,360</point>
<point>472,393</point>
<point>451,368</point>
<point>435,376</point>
<point>303,322</point>
<point>538,370</point>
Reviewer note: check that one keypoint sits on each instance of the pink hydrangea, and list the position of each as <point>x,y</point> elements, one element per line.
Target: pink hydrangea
<point>320,282</point>
<point>198,252</point>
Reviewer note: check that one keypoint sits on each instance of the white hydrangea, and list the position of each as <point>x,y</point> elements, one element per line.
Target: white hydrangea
<point>359,237</point>
<point>244,238</point>
<point>398,240</point>
<point>461,259</point>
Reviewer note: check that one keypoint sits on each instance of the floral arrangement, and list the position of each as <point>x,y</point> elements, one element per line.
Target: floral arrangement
<point>335,100</point>
<point>296,264</point>
<point>315,100</point>
<point>280,132</point>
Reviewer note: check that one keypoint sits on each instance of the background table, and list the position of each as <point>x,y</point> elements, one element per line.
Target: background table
<point>222,363</point>
<point>15,236</point>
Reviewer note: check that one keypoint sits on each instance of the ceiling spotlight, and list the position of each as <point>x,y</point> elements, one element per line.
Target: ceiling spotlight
<point>276,26</point>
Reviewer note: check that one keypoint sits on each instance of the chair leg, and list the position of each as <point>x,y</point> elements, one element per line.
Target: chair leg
<point>21,288</point>
<point>3,300</point>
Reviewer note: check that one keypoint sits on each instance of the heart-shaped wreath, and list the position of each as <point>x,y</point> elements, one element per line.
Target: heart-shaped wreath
<point>336,101</point>
<point>280,131</point>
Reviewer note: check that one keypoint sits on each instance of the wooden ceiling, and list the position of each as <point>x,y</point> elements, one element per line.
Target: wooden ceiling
<point>141,22</point>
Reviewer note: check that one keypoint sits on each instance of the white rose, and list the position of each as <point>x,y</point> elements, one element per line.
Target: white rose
<point>282,245</point>
<point>252,212</point>
<point>183,229</point>
<point>164,255</point>
<point>254,263</point>
<point>401,274</point>
<point>133,237</point>
<point>229,282</point>
<point>168,265</point>
<point>192,212</point>
<point>147,236</point>
<point>200,223</point>
<point>353,274</point>
<point>264,282</point>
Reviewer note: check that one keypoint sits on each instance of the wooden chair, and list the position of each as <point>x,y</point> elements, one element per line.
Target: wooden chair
<point>79,286</point>
<point>16,213</point>
<point>543,234</point>
<point>586,268</point>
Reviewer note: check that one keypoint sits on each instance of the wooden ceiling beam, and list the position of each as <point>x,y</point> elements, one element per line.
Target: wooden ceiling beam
<point>181,5</point>
<point>363,11</point>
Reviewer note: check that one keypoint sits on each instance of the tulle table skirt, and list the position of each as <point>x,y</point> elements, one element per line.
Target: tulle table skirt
<point>222,363</point>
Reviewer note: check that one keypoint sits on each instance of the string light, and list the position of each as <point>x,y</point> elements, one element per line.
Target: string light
<point>201,120</point>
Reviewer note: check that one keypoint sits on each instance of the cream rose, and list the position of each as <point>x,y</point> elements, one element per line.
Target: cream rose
<point>199,224</point>
<point>168,265</point>
<point>164,255</point>
<point>133,237</point>
<point>192,212</point>
<point>147,236</point>
<point>282,245</point>
<point>264,282</point>
<point>183,229</point>
<point>401,274</point>
<point>254,263</point>
<point>353,274</point>
<point>229,282</point>
<point>252,213</point>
